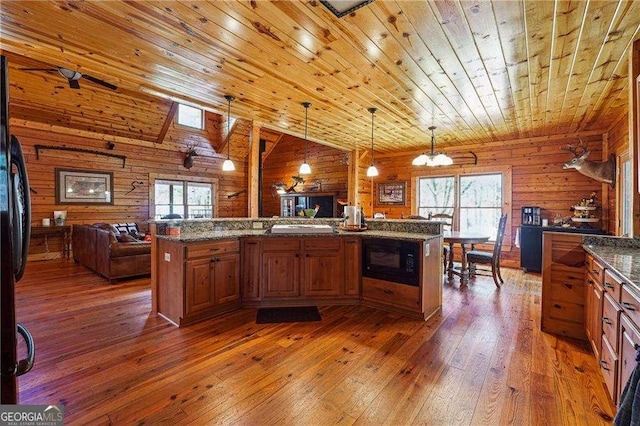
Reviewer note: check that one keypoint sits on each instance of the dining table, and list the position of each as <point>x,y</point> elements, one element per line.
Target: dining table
<point>464,239</point>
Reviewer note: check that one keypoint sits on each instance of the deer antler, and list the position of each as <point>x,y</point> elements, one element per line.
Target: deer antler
<point>576,149</point>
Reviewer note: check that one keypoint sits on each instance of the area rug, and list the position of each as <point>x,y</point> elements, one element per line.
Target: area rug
<point>292,314</point>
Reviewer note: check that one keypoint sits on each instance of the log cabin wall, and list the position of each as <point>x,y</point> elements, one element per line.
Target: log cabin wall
<point>142,158</point>
<point>329,171</point>
<point>538,178</point>
<point>617,144</point>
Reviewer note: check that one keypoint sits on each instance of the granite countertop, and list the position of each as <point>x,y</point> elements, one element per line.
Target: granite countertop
<point>222,234</point>
<point>625,261</point>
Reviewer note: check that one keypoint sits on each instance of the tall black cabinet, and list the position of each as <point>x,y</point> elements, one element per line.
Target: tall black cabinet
<point>531,243</point>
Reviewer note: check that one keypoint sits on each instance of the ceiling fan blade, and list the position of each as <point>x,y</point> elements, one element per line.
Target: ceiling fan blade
<point>98,81</point>
<point>38,69</point>
<point>73,83</point>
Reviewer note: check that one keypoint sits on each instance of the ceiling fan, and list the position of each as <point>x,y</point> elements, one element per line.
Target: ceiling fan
<point>73,77</point>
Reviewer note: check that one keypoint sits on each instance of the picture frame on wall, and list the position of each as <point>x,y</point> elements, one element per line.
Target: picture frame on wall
<point>83,186</point>
<point>392,193</point>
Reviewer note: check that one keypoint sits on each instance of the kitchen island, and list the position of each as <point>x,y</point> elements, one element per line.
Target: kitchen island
<point>218,265</point>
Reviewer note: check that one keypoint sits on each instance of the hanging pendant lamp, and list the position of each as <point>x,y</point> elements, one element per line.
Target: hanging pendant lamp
<point>372,171</point>
<point>304,167</point>
<point>228,166</point>
<point>432,159</point>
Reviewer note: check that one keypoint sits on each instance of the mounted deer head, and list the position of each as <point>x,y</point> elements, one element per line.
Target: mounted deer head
<point>188,160</point>
<point>604,171</point>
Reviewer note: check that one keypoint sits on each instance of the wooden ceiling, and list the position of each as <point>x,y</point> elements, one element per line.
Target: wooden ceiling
<point>481,71</point>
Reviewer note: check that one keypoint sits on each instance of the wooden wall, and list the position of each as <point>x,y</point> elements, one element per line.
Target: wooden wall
<point>537,176</point>
<point>143,158</point>
<point>329,171</point>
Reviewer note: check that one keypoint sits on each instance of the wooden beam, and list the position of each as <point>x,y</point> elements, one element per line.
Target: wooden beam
<point>352,178</point>
<point>253,185</point>
<point>167,122</point>
<point>634,131</point>
<point>271,146</point>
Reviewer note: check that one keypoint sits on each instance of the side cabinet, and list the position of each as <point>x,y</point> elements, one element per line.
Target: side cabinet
<point>281,268</point>
<point>251,266</point>
<point>612,315</point>
<point>563,289</point>
<point>352,266</point>
<point>198,280</point>
<point>594,277</point>
<point>323,275</point>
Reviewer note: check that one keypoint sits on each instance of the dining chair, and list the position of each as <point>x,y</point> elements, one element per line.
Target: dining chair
<point>447,224</point>
<point>489,258</point>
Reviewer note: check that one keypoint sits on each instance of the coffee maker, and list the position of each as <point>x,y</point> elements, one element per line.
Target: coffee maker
<point>531,216</point>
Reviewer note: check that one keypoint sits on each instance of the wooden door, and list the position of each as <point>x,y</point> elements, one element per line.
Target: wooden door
<point>227,278</point>
<point>251,265</point>
<point>199,288</point>
<point>352,266</point>
<point>281,273</point>
<point>323,273</point>
<point>593,314</point>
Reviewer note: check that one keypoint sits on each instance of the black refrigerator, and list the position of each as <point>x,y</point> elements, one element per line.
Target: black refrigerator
<point>15,226</point>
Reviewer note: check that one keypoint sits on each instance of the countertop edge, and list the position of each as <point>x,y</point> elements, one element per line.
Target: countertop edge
<point>226,234</point>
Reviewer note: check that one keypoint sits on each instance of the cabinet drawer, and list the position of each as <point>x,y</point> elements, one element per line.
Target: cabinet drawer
<point>610,320</point>
<point>630,304</point>
<point>211,249</point>
<point>612,285</point>
<point>400,295</point>
<point>595,268</point>
<point>322,244</point>
<point>608,366</point>
<point>281,244</point>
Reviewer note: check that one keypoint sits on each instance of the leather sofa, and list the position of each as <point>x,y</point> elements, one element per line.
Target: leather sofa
<point>110,254</point>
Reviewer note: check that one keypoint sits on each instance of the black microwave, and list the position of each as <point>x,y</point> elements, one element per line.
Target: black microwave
<point>391,260</point>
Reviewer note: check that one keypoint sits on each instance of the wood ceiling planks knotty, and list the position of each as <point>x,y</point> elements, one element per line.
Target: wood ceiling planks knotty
<point>482,72</point>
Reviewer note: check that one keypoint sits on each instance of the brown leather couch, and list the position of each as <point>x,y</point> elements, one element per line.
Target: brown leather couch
<point>98,248</point>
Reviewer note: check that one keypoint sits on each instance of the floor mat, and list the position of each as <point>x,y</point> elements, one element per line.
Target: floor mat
<point>290,314</point>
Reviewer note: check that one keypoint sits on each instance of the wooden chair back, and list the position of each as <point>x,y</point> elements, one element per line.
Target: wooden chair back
<point>497,248</point>
<point>445,218</point>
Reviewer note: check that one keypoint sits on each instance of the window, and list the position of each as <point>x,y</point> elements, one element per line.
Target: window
<point>184,199</point>
<point>626,198</point>
<point>475,200</point>
<point>190,116</point>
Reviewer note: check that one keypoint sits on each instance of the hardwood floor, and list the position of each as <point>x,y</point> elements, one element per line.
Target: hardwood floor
<point>483,360</point>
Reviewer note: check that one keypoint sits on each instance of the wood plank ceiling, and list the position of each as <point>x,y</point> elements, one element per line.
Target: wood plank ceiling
<point>479,70</point>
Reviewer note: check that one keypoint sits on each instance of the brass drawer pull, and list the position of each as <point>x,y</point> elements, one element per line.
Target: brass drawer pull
<point>608,285</point>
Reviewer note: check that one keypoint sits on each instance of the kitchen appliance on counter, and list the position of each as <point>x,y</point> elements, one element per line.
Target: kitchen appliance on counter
<point>531,216</point>
<point>391,260</point>
<point>15,226</point>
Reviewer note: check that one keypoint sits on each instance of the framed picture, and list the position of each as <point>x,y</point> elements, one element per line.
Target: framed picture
<point>83,187</point>
<point>392,193</point>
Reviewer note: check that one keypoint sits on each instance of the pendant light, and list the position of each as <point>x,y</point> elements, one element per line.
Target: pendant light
<point>228,166</point>
<point>304,167</point>
<point>372,171</point>
<point>432,159</point>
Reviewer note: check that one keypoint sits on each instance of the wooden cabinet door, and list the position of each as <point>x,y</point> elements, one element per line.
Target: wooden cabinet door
<point>629,338</point>
<point>281,273</point>
<point>593,313</point>
<point>251,267</point>
<point>227,279</point>
<point>352,266</point>
<point>323,275</point>
<point>199,286</point>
